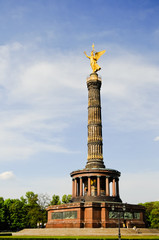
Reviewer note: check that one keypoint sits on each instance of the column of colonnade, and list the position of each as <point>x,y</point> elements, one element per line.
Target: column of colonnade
<point>77,186</point>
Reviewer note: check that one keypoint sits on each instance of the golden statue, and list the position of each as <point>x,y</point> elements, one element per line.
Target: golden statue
<point>93,59</point>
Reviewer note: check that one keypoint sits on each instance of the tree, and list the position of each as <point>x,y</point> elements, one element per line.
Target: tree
<point>2,215</point>
<point>154,215</point>
<point>55,200</point>
<point>7,205</point>
<point>66,198</point>
<point>33,209</point>
<point>15,214</point>
<point>43,202</point>
<point>32,198</point>
<point>18,216</point>
<point>149,207</point>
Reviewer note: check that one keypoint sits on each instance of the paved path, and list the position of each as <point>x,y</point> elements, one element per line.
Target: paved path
<point>86,232</point>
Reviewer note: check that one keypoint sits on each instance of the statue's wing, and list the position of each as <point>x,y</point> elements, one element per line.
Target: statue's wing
<point>99,54</point>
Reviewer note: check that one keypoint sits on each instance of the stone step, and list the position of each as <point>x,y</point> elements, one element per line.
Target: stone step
<point>85,232</point>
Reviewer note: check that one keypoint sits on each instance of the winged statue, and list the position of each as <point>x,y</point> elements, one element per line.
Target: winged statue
<point>94,58</point>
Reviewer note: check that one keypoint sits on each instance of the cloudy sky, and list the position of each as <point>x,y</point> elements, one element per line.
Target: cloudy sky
<point>43,93</point>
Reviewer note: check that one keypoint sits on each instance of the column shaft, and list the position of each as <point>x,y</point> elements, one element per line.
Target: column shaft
<point>98,185</point>
<point>81,187</point>
<point>89,186</point>
<point>75,187</point>
<point>107,187</point>
<point>95,142</point>
<point>113,188</point>
<point>117,187</point>
<point>73,190</point>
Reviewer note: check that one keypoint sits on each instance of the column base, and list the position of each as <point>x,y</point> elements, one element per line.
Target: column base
<point>95,164</point>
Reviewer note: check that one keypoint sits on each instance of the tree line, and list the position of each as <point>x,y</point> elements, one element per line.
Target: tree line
<point>152,214</point>
<point>28,211</point>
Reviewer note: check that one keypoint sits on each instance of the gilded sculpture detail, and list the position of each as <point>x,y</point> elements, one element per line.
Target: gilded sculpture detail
<point>94,58</point>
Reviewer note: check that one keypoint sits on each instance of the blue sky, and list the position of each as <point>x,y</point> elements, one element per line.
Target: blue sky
<point>43,93</point>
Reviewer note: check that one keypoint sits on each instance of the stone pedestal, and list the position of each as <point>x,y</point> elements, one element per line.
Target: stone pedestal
<point>93,215</point>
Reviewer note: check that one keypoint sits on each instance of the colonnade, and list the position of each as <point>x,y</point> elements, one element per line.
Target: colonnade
<point>95,186</point>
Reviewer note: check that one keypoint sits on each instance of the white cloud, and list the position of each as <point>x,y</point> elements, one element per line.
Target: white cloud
<point>45,81</point>
<point>26,133</point>
<point>130,87</point>
<point>6,175</point>
<point>139,187</point>
<point>156,138</point>
<point>35,102</point>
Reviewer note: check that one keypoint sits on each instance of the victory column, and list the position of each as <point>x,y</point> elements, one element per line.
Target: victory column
<point>95,189</point>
